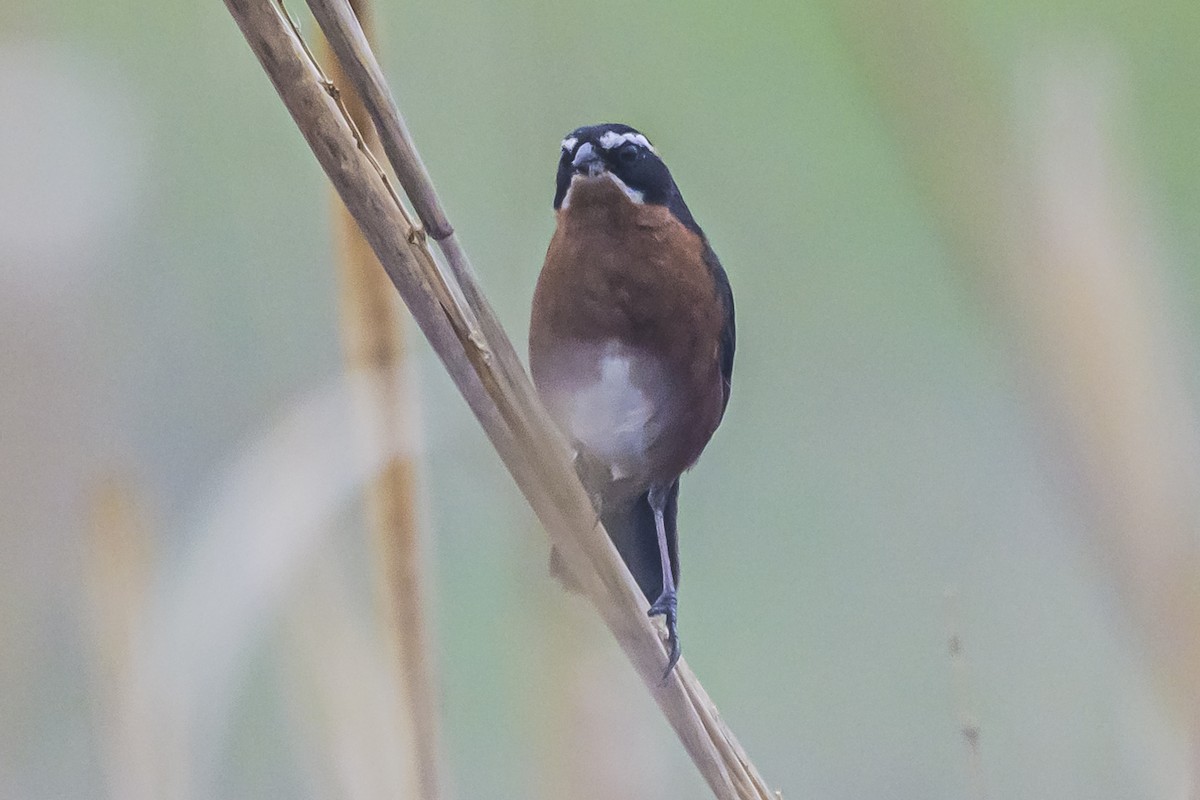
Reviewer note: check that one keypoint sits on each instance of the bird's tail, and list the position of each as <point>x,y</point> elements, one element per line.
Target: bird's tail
<point>631,527</point>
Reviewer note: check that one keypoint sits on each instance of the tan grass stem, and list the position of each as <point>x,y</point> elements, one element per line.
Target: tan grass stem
<point>142,757</point>
<point>498,392</point>
<point>372,341</point>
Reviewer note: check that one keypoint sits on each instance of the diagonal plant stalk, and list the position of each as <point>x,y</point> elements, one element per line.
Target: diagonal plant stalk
<point>373,348</point>
<point>450,310</point>
<point>355,55</point>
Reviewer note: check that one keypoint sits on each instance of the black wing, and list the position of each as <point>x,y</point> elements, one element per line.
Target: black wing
<point>724,293</point>
<point>728,333</point>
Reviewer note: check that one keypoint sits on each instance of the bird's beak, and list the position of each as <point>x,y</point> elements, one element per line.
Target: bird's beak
<point>587,161</point>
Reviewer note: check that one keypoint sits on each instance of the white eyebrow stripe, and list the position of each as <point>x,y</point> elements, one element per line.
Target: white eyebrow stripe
<point>569,143</point>
<point>610,140</point>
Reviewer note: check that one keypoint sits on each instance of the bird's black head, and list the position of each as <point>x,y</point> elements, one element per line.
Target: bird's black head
<point>622,154</point>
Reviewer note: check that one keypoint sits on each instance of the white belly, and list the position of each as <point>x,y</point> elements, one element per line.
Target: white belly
<point>604,398</point>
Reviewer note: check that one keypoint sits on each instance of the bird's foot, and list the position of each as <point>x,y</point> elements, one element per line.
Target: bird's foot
<point>667,606</point>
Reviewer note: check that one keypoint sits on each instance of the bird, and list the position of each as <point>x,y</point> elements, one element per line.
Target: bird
<point>631,345</point>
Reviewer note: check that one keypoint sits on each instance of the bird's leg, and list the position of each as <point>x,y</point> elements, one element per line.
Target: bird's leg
<point>667,603</point>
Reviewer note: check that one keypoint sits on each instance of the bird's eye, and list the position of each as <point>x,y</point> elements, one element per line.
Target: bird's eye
<point>629,153</point>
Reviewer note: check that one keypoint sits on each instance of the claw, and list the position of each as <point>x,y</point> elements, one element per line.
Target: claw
<point>667,605</point>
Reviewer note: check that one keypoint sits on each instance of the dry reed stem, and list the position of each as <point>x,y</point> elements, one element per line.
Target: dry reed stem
<point>354,51</point>
<point>142,761</point>
<point>372,331</point>
<point>495,387</point>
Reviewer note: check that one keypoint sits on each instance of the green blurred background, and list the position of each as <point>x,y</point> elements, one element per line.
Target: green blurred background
<point>167,297</point>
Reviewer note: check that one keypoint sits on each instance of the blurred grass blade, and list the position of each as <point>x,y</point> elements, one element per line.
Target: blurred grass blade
<point>143,756</point>
<point>1041,217</point>
<point>253,533</point>
<point>1101,324</point>
<point>341,684</point>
